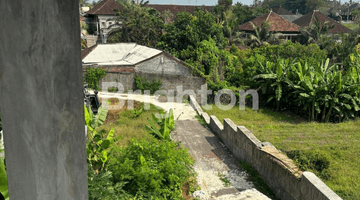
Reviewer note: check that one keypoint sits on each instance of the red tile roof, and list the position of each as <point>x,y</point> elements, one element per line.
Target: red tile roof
<point>86,51</point>
<point>277,23</point>
<point>177,8</point>
<point>310,17</point>
<point>105,7</point>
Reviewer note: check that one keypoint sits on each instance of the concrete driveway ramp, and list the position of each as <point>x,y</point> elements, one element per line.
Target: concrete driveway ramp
<point>218,173</point>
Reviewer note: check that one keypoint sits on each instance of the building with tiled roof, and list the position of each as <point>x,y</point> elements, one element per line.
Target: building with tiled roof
<point>309,18</point>
<point>105,7</point>
<point>102,16</point>
<point>278,24</point>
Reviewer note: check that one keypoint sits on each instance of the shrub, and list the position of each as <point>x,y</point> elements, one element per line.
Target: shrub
<point>154,169</point>
<point>144,84</point>
<point>93,75</point>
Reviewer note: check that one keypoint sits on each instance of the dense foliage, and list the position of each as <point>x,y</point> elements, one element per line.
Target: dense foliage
<point>144,84</point>
<point>4,192</point>
<point>188,31</point>
<point>321,92</point>
<point>139,24</point>
<point>0,123</point>
<point>93,75</point>
<point>247,67</point>
<point>155,169</point>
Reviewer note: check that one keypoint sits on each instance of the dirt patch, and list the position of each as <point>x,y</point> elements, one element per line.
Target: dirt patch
<point>113,115</point>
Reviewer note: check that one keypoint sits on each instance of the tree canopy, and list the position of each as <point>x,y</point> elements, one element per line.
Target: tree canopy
<point>140,24</point>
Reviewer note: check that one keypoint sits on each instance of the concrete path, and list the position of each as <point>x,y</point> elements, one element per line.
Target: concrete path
<point>212,159</point>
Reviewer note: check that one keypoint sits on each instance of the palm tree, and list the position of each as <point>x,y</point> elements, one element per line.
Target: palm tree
<point>263,35</point>
<point>313,32</point>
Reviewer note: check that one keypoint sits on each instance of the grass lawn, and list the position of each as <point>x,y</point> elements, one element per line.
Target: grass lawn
<point>331,151</point>
<point>351,26</point>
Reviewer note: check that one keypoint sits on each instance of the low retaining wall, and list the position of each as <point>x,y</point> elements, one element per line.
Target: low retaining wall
<point>279,172</point>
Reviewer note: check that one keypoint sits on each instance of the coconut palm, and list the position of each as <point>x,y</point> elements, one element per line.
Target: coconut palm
<point>263,35</point>
<point>313,32</point>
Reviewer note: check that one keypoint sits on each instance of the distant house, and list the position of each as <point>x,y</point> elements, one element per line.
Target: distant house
<point>123,61</point>
<point>347,12</point>
<point>102,17</point>
<point>309,18</point>
<point>278,24</point>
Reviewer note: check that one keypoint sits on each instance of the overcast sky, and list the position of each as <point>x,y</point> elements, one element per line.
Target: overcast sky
<point>205,2</point>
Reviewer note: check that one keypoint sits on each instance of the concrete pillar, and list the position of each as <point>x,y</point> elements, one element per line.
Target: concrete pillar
<point>41,100</point>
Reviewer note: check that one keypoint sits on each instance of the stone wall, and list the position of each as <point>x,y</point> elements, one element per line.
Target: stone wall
<point>278,171</point>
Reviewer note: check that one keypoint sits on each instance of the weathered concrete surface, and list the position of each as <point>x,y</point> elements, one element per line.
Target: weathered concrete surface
<point>212,158</point>
<point>41,100</point>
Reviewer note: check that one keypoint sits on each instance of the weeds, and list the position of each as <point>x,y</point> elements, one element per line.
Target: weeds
<point>224,179</point>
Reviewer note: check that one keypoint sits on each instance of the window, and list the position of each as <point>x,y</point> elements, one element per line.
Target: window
<point>103,24</point>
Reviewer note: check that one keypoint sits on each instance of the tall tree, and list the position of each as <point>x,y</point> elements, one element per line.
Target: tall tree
<point>187,31</point>
<point>140,24</point>
<point>290,5</point>
<point>315,4</point>
<point>317,28</point>
<point>245,13</point>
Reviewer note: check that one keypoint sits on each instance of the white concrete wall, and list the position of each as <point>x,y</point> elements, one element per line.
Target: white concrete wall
<point>168,66</point>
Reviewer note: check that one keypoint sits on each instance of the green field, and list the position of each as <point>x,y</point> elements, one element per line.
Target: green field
<point>351,26</point>
<point>331,151</point>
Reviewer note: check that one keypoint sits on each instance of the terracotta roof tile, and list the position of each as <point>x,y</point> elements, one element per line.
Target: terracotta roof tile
<point>277,23</point>
<point>105,7</point>
<point>177,8</point>
<point>310,17</point>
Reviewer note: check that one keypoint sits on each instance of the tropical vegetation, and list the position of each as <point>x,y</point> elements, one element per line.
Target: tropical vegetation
<point>144,163</point>
<point>315,77</point>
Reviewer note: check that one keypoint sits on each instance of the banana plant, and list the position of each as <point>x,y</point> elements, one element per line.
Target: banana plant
<point>275,76</point>
<point>97,155</point>
<point>166,123</point>
<point>93,121</point>
<point>4,193</point>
